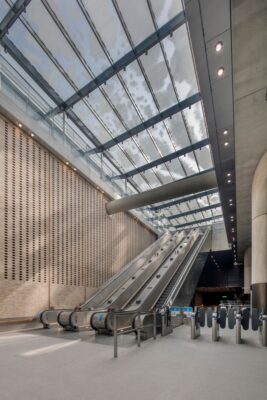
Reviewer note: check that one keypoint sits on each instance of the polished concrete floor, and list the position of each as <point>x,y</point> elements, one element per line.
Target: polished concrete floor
<point>41,364</point>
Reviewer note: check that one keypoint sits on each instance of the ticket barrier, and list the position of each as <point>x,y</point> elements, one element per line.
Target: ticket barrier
<point>197,321</point>
<point>238,319</point>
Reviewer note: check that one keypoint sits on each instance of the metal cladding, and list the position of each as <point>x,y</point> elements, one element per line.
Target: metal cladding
<point>247,270</point>
<point>192,184</point>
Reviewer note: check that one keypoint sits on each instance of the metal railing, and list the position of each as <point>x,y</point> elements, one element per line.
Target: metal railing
<point>135,327</point>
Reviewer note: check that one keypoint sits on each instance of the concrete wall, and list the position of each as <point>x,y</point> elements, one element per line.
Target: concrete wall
<point>249,34</point>
<point>57,243</point>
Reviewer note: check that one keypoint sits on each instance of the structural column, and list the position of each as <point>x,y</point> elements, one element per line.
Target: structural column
<point>247,271</point>
<point>259,235</point>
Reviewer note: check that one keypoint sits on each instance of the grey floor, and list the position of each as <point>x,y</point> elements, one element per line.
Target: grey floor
<point>52,364</point>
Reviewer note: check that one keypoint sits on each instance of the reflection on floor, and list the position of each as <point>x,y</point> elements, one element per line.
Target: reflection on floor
<point>52,364</point>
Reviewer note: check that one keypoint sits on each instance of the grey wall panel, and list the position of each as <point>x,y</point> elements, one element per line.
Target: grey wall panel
<point>57,244</point>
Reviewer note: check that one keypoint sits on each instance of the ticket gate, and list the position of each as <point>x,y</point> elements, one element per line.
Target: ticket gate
<point>239,319</point>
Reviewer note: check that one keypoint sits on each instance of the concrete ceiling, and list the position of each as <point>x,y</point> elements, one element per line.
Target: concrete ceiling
<point>209,23</point>
<point>249,38</point>
<point>237,102</point>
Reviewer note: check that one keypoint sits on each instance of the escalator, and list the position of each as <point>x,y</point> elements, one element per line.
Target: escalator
<point>150,282</point>
<point>165,283</point>
<point>139,267</point>
<point>127,285</point>
<point>187,275</point>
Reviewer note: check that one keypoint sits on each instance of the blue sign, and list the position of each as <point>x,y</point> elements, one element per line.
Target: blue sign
<point>175,311</point>
<point>187,309</point>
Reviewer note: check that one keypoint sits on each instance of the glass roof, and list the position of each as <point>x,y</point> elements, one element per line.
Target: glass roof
<point>70,43</point>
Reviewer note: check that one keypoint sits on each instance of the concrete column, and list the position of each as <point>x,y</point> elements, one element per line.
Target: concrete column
<point>259,235</point>
<point>247,270</point>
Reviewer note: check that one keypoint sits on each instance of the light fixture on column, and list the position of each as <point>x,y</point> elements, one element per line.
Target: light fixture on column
<point>220,71</point>
<point>219,47</point>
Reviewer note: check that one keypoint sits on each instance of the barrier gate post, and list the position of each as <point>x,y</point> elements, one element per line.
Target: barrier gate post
<point>215,327</point>
<point>115,334</point>
<point>238,328</point>
<point>264,330</point>
<point>139,330</point>
<point>154,325</point>
<point>195,329</point>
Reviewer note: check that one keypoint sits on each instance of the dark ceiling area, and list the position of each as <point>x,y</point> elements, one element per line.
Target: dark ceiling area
<point>220,271</point>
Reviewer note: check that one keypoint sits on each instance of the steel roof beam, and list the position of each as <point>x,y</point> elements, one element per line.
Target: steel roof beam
<point>183,199</point>
<point>51,93</point>
<point>162,160</point>
<point>122,63</point>
<point>199,221</point>
<point>37,77</point>
<point>184,214</point>
<point>13,14</point>
<point>148,123</point>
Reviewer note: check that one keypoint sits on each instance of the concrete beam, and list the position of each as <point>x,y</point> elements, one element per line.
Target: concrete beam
<point>189,185</point>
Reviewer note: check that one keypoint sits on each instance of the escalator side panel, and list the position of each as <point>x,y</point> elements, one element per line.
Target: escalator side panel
<point>150,293</point>
<point>188,288</point>
<point>106,290</point>
<point>122,297</point>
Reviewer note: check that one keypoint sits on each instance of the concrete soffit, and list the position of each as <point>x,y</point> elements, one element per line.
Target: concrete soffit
<point>209,23</point>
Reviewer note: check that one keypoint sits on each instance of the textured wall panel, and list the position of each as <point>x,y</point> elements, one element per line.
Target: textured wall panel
<point>57,244</point>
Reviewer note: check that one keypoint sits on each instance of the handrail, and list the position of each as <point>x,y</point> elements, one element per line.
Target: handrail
<point>120,332</point>
<point>125,268</point>
<point>187,264</point>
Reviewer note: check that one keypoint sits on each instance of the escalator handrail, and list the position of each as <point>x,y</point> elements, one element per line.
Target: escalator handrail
<point>186,267</point>
<point>155,289</point>
<point>133,295</point>
<point>125,268</point>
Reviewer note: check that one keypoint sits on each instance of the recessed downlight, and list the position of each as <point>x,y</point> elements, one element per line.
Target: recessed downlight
<point>226,144</point>
<point>20,125</point>
<point>67,163</point>
<point>220,71</point>
<point>229,181</point>
<point>225,132</point>
<point>229,174</point>
<point>219,46</point>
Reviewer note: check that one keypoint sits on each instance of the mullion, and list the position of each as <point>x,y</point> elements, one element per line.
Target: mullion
<point>99,39</point>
